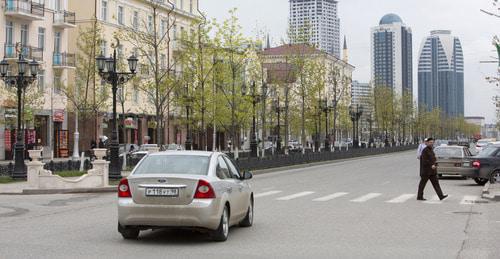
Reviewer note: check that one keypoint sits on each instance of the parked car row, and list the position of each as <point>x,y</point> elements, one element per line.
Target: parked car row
<point>479,161</point>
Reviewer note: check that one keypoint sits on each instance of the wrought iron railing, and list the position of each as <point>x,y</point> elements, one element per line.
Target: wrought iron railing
<point>64,17</point>
<point>27,7</point>
<point>63,59</point>
<point>28,52</point>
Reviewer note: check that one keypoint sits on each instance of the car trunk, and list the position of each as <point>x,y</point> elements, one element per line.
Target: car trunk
<point>450,162</point>
<point>163,189</point>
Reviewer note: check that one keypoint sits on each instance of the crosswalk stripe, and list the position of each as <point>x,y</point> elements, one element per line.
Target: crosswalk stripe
<point>367,197</point>
<point>294,196</point>
<point>269,193</point>
<point>435,200</point>
<point>469,199</point>
<point>331,197</point>
<point>401,199</point>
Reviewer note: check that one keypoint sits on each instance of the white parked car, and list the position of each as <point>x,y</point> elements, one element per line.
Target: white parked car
<point>185,189</point>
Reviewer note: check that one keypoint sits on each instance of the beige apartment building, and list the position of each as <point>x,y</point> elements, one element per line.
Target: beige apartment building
<point>42,29</point>
<point>113,16</point>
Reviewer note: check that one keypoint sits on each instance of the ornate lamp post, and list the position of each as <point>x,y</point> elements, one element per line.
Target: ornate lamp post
<point>355,111</point>
<point>256,98</point>
<point>278,109</point>
<point>107,70</point>
<point>188,102</point>
<point>21,82</point>
<point>327,109</point>
<point>370,121</point>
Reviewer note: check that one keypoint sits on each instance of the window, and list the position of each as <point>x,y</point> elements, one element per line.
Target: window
<point>150,23</point>
<point>41,80</point>
<point>182,4</point>
<point>163,28</point>
<point>41,38</point>
<point>135,20</point>
<point>120,15</point>
<point>163,61</point>
<point>173,164</point>
<point>234,171</point>
<point>119,51</point>
<point>57,84</point>
<point>222,170</point>
<point>57,42</point>
<point>103,48</point>
<point>104,10</point>
<point>24,34</point>
<point>9,32</point>
<point>175,32</point>
<point>191,6</point>
<point>136,94</point>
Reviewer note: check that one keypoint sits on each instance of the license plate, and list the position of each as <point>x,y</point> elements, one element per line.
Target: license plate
<point>467,164</point>
<point>162,192</point>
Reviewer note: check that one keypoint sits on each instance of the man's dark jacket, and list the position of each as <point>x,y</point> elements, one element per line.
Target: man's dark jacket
<point>427,160</point>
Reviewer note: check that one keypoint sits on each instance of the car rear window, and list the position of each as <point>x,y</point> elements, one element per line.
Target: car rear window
<point>174,164</point>
<point>488,152</point>
<point>448,152</point>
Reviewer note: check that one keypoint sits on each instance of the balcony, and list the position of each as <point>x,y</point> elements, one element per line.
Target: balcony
<point>64,19</point>
<point>28,52</point>
<point>25,9</point>
<point>63,60</point>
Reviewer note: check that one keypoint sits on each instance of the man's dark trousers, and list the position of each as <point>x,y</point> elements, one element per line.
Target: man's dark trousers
<point>435,183</point>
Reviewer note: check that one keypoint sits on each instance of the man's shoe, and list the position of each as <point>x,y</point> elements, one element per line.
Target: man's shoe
<point>421,199</point>
<point>444,197</point>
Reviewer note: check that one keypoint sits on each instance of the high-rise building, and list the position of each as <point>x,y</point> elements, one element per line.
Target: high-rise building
<point>391,44</point>
<point>316,21</point>
<point>361,93</point>
<point>441,74</point>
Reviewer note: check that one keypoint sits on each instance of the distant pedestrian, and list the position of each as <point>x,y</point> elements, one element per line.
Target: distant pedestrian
<point>421,148</point>
<point>428,171</point>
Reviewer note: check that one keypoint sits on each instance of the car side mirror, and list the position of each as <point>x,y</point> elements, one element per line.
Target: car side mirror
<point>247,175</point>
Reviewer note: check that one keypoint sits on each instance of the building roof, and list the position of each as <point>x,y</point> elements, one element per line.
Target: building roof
<point>291,49</point>
<point>390,19</point>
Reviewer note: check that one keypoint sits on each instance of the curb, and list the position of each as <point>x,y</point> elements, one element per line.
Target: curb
<point>109,189</point>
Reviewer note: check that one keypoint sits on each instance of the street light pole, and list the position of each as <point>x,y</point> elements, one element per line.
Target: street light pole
<point>108,71</point>
<point>189,143</point>
<point>21,82</point>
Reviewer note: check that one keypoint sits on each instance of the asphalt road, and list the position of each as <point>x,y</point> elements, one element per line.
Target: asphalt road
<point>364,208</point>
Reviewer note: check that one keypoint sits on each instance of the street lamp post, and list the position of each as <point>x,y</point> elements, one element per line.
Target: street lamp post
<point>21,82</point>
<point>189,100</point>
<point>256,98</point>
<point>370,121</point>
<point>326,109</point>
<point>108,71</point>
<point>355,111</point>
<point>279,109</point>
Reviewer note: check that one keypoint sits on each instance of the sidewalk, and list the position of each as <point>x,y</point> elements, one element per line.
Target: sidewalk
<point>491,191</point>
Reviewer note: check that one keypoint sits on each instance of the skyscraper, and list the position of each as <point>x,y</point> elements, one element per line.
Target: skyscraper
<point>441,74</point>
<point>316,21</point>
<point>391,44</point>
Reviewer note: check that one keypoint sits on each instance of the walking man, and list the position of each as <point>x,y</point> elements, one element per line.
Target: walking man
<point>428,171</point>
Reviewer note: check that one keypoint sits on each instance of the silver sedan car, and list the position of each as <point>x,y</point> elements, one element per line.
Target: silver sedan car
<point>185,189</point>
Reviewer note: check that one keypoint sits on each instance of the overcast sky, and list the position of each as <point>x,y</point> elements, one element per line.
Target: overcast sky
<point>474,29</point>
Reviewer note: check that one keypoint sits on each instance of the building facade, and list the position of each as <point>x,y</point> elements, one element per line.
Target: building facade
<point>361,93</point>
<point>391,54</point>
<point>138,123</point>
<point>318,22</point>
<point>38,30</point>
<point>441,74</point>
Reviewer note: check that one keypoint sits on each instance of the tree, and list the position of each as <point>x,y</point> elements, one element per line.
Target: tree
<point>151,40</point>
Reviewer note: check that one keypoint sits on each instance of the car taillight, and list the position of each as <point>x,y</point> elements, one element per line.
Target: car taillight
<point>204,190</point>
<point>124,189</point>
<point>476,164</point>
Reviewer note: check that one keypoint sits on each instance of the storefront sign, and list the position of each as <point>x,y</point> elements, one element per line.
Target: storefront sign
<point>130,123</point>
<point>10,113</point>
<point>58,116</point>
<point>152,124</point>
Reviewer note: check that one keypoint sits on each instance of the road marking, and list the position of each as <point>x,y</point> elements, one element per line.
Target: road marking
<point>401,199</point>
<point>367,197</point>
<point>469,199</point>
<point>332,196</point>
<point>269,193</point>
<point>294,196</point>
<point>435,200</point>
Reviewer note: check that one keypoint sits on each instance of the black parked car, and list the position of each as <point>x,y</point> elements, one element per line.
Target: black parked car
<point>484,167</point>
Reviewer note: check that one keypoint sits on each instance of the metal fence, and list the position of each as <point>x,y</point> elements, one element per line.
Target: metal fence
<point>8,169</point>
<point>299,158</point>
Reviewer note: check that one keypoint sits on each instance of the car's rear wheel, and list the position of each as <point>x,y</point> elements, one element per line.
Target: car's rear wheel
<point>248,220</point>
<point>222,232</point>
<point>481,181</point>
<point>128,232</point>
